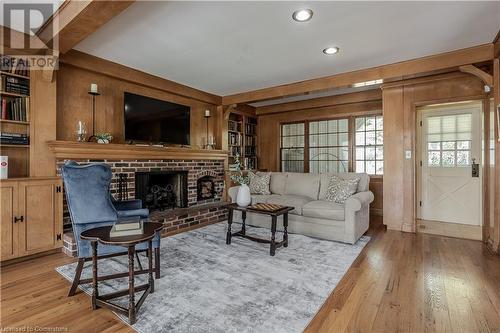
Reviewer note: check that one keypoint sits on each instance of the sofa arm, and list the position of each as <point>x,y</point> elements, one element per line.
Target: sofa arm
<point>233,192</point>
<point>358,200</point>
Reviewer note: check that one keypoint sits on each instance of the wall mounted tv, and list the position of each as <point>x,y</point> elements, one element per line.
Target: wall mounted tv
<point>155,121</point>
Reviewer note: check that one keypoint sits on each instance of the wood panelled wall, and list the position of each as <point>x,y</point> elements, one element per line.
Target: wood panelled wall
<point>400,100</point>
<point>270,118</point>
<point>74,104</point>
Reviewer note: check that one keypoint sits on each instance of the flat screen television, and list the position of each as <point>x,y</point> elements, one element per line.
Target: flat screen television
<point>155,121</point>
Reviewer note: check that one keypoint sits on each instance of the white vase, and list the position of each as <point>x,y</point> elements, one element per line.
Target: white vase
<point>243,198</point>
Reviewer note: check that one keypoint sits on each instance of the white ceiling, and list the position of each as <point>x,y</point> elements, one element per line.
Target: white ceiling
<point>231,47</point>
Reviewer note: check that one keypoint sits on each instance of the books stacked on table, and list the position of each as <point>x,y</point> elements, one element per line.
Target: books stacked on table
<point>14,138</point>
<point>15,85</point>
<point>15,108</point>
<point>129,227</point>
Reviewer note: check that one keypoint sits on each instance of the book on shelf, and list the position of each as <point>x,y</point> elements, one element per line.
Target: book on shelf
<point>250,140</point>
<point>250,163</point>
<point>14,65</point>
<point>126,232</point>
<point>14,138</point>
<point>234,139</point>
<point>15,108</point>
<point>235,150</point>
<point>14,85</point>
<point>233,126</point>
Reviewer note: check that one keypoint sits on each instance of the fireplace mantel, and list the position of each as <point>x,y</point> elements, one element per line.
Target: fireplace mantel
<point>112,151</point>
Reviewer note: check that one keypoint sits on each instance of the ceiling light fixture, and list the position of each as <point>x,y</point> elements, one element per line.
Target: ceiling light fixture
<point>331,50</point>
<point>302,15</point>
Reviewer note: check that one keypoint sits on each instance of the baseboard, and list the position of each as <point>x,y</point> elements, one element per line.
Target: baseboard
<point>32,256</point>
<point>456,230</point>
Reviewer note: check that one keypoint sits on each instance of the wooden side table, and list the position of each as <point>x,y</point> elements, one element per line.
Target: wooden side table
<point>274,217</point>
<point>101,235</point>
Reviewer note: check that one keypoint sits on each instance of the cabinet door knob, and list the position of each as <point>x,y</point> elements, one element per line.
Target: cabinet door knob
<point>18,219</point>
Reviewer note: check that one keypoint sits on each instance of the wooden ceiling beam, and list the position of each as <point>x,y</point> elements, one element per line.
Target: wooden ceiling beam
<point>76,19</point>
<point>355,97</point>
<point>400,70</point>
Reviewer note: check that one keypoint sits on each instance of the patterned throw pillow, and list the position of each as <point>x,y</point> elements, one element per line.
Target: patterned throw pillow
<point>339,190</point>
<point>259,184</point>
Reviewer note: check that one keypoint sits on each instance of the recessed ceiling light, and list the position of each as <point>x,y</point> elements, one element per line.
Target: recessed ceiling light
<point>302,15</point>
<point>331,50</point>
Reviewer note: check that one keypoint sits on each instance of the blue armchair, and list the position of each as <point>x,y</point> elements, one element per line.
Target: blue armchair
<point>90,205</point>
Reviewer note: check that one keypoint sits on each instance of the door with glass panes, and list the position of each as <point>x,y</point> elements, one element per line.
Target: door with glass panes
<point>450,145</point>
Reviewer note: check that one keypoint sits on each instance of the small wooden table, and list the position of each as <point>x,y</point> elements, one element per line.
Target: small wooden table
<point>101,235</point>
<point>274,217</point>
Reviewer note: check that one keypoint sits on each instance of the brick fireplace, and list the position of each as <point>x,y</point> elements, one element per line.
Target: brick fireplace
<point>180,176</point>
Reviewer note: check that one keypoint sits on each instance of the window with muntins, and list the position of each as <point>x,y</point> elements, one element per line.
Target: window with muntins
<point>292,147</point>
<point>369,145</point>
<point>333,145</point>
<point>329,146</point>
<point>449,140</point>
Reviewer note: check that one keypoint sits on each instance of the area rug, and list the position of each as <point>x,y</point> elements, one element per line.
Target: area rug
<point>208,286</point>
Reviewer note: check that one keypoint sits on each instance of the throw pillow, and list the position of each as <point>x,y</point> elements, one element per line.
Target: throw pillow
<point>339,190</point>
<point>259,184</point>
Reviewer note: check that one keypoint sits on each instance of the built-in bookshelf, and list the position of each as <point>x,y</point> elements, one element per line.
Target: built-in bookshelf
<point>242,140</point>
<point>15,115</point>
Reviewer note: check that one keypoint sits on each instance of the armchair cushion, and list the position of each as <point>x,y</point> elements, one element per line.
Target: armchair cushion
<point>127,204</point>
<point>324,210</point>
<point>142,213</point>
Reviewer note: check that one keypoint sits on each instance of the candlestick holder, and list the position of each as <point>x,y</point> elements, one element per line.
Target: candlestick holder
<point>93,94</point>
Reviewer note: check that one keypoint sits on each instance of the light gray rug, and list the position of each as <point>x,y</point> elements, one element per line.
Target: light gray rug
<point>208,286</point>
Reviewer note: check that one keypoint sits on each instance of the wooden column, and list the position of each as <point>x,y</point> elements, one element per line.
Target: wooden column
<point>42,123</point>
<point>495,244</point>
<point>393,105</point>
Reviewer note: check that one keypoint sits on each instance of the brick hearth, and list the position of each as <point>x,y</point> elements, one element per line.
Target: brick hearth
<point>197,213</point>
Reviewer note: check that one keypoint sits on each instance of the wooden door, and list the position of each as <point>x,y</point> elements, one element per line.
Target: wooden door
<point>450,143</point>
<point>40,202</point>
<point>8,211</point>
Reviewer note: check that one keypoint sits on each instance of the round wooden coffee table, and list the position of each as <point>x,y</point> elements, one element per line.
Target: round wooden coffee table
<point>101,235</point>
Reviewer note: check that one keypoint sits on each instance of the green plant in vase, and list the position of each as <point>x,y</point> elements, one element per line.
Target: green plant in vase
<point>103,138</point>
<point>243,198</point>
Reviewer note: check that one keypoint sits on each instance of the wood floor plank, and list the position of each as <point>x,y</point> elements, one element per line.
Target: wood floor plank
<point>401,282</point>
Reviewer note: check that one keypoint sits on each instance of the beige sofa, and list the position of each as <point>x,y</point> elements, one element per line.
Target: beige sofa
<point>313,216</point>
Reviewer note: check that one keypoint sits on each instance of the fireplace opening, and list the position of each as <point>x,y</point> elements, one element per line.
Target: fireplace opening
<point>206,188</point>
<point>160,190</point>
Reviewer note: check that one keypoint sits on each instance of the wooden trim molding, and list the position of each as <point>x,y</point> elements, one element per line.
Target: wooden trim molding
<point>451,60</point>
<point>89,150</point>
<point>97,65</point>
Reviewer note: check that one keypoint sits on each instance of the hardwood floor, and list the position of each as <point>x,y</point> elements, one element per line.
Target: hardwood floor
<point>401,282</point>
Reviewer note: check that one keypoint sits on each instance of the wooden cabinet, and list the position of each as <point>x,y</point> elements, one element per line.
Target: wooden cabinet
<point>31,212</point>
